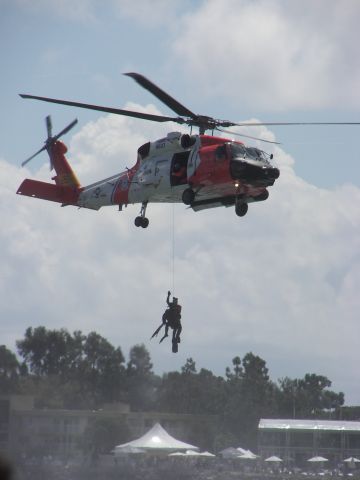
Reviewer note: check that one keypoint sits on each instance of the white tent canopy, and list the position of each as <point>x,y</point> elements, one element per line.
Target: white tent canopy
<point>242,451</point>
<point>317,459</point>
<point>192,453</point>
<point>156,439</point>
<point>274,458</point>
<point>351,460</point>
<point>128,449</point>
<point>207,454</point>
<point>230,452</point>
<point>248,455</point>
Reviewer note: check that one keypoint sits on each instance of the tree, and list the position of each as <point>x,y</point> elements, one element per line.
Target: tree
<point>102,369</point>
<point>47,352</point>
<point>178,392</point>
<point>87,370</point>
<point>311,389</point>
<point>250,396</point>
<point>141,381</point>
<point>140,361</point>
<point>192,392</point>
<point>255,370</point>
<point>103,434</point>
<point>237,370</point>
<point>308,396</point>
<point>333,400</point>
<point>10,370</point>
<point>288,397</point>
<point>189,367</point>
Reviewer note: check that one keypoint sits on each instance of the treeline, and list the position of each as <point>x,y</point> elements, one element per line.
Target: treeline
<point>74,370</point>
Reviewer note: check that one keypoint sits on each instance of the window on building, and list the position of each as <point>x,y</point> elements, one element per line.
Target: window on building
<point>329,439</point>
<point>301,439</point>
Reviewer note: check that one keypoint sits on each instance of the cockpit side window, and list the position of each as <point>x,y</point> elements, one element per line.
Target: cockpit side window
<point>254,153</point>
<point>238,150</point>
<point>257,154</point>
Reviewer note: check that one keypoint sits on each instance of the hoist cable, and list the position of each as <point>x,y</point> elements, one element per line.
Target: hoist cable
<point>173,248</point>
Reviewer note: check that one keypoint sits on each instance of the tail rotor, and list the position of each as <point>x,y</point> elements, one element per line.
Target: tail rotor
<point>49,127</point>
<point>50,139</point>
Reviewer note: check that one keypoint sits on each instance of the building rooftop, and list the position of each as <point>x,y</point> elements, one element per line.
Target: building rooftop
<point>296,424</point>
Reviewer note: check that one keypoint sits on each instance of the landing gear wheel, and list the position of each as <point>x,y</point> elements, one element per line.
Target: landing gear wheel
<point>241,209</point>
<point>141,220</point>
<point>144,222</point>
<point>138,221</point>
<point>188,196</point>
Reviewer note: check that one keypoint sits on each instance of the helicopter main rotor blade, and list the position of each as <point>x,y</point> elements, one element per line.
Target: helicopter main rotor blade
<point>117,111</point>
<point>255,124</point>
<point>247,136</point>
<point>175,106</point>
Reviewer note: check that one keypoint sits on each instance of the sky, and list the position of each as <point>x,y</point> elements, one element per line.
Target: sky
<point>281,282</point>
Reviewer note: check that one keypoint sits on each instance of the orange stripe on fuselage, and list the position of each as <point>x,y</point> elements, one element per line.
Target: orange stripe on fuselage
<point>121,192</point>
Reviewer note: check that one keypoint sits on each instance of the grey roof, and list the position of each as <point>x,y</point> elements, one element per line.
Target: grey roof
<point>329,425</point>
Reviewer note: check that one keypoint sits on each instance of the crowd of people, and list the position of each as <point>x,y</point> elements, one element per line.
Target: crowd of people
<point>151,467</point>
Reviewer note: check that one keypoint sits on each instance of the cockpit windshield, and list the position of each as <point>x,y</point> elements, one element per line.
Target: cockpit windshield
<point>239,152</point>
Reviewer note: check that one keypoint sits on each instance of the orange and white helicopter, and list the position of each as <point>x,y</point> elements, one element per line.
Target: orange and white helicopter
<point>202,171</point>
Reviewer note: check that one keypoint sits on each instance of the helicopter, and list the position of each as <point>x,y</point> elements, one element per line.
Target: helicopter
<point>199,170</point>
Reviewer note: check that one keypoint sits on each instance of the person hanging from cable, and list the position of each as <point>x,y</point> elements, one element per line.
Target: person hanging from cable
<point>171,319</point>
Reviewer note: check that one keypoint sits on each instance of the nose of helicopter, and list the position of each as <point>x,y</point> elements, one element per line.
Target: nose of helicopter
<point>257,175</point>
<point>267,176</point>
<point>273,172</point>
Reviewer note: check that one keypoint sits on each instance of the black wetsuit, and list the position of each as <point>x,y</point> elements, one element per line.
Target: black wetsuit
<point>171,319</point>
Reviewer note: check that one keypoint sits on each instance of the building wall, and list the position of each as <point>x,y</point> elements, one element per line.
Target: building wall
<point>298,446</point>
<point>34,432</point>
<point>8,405</point>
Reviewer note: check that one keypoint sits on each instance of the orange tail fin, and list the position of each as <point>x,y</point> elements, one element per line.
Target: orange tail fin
<point>67,187</point>
<point>65,175</point>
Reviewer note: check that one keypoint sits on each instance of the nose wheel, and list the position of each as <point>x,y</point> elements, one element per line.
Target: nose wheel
<point>241,208</point>
<point>141,220</point>
<point>188,196</point>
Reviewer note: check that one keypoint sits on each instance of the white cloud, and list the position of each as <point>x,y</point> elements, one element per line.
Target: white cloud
<point>274,54</point>
<point>281,282</point>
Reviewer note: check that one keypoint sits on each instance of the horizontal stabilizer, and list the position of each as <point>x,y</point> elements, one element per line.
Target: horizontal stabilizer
<point>49,191</point>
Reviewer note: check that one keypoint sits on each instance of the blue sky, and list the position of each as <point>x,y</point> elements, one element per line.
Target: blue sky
<point>283,281</point>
